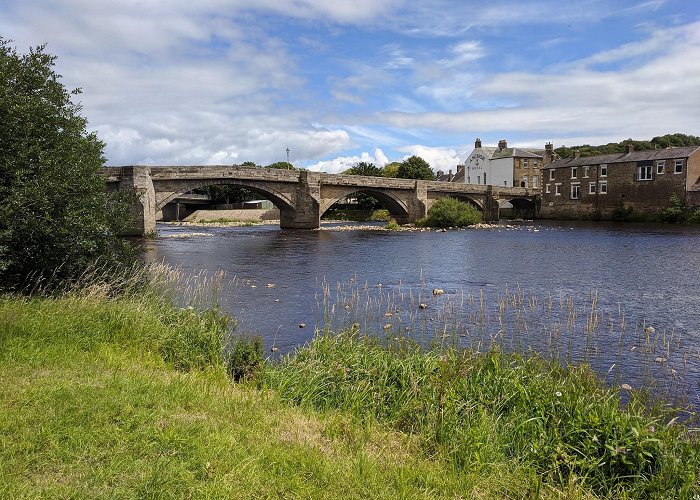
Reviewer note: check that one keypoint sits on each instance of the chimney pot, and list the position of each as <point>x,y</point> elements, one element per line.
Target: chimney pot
<point>577,153</point>
<point>477,143</point>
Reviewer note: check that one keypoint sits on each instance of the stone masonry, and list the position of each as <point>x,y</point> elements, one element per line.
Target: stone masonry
<point>300,195</point>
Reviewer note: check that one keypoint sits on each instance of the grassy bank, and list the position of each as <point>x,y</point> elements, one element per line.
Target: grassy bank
<point>129,397</point>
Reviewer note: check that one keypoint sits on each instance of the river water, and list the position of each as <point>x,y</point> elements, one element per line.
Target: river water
<point>624,298</point>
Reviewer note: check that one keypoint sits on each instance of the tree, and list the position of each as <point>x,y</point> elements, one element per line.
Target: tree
<point>284,165</point>
<point>56,217</point>
<point>364,168</point>
<point>415,167</point>
<point>249,164</point>
<point>391,169</point>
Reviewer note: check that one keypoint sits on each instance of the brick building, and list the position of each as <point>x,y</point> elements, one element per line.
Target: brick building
<point>643,180</point>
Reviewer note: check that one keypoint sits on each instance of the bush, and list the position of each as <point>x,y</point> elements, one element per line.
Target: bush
<point>56,217</point>
<point>244,359</point>
<point>449,212</point>
<point>676,211</point>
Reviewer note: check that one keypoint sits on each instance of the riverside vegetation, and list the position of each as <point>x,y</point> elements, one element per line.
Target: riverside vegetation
<point>112,390</point>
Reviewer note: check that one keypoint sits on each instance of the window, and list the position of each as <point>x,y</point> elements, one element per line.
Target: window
<point>603,189</point>
<point>535,181</point>
<point>585,170</point>
<point>525,163</point>
<point>557,189</point>
<point>604,170</point>
<point>546,189</point>
<point>551,174</point>
<point>525,179</point>
<point>678,167</point>
<point>534,164</point>
<point>591,188</point>
<point>575,191</point>
<point>574,172</point>
<point>660,164</point>
<point>644,173</point>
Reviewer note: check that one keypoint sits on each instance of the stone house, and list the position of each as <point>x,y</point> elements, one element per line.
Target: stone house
<point>642,180</point>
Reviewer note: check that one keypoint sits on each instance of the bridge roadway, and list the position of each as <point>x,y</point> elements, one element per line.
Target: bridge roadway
<point>301,196</point>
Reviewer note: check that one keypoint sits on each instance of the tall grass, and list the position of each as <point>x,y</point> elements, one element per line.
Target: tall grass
<point>570,327</point>
<point>492,410</point>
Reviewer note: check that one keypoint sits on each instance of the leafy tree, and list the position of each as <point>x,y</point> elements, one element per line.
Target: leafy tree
<point>450,212</point>
<point>249,164</point>
<point>226,193</point>
<point>56,217</point>
<point>281,165</point>
<point>415,167</point>
<point>391,169</point>
<point>364,168</point>
<point>660,142</point>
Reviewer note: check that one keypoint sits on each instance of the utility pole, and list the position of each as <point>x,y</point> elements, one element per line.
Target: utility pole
<point>287,158</point>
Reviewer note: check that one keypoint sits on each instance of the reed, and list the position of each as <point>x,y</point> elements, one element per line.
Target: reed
<point>569,327</point>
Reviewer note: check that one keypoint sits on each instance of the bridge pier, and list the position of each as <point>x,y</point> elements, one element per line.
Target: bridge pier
<point>306,200</point>
<point>142,211</point>
<point>491,205</point>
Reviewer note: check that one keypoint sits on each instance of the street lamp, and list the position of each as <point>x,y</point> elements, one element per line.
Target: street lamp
<point>287,158</point>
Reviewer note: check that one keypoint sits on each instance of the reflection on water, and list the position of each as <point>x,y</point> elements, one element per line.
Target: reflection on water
<point>579,291</point>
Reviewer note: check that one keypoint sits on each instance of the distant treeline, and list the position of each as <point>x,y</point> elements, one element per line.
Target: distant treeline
<point>661,142</point>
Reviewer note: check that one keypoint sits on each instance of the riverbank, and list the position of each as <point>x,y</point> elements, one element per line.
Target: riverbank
<point>129,396</point>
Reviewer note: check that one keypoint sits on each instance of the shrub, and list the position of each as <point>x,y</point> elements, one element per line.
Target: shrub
<point>244,359</point>
<point>449,212</point>
<point>676,210</point>
<point>392,225</point>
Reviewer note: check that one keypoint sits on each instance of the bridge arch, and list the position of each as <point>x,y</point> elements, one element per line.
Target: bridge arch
<point>280,200</point>
<point>396,206</point>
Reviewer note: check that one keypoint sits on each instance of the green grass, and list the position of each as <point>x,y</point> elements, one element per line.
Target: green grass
<point>122,395</point>
<point>525,420</point>
<point>127,398</point>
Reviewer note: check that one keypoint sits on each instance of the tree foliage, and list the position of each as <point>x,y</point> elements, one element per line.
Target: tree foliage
<point>56,217</point>
<point>415,167</point>
<point>450,212</point>
<point>364,168</point>
<point>659,142</point>
<point>391,169</point>
<point>283,165</point>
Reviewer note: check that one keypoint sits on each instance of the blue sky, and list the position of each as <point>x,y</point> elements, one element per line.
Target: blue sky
<point>226,81</point>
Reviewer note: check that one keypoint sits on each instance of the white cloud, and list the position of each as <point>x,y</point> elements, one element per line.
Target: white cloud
<point>342,163</point>
<point>439,158</point>
<point>656,96</point>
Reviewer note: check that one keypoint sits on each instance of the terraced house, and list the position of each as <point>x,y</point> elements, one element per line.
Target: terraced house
<point>643,180</point>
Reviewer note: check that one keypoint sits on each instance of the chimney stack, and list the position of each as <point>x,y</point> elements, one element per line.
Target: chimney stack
<point>577,153</point>
<point>477,143</point>
<point>450,176</point>
<point>502,144</point>
<point>548,156</point>
<point>629,147</point>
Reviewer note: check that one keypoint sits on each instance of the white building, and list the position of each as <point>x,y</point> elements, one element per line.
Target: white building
<point>504,166</point>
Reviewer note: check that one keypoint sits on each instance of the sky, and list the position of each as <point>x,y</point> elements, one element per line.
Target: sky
<point>183,82</point>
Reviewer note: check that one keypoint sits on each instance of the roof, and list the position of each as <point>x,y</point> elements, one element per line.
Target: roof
<point>652,154</point>
<point>515,152</point>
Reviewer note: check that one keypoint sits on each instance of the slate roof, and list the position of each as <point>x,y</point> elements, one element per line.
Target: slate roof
<point>514,152</point>
<point>652,154</point>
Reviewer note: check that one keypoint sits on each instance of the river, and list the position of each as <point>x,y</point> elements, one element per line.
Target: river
<point>623,297</point>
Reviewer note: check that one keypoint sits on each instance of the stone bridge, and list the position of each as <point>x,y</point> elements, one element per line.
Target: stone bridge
<point>301,196</point>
